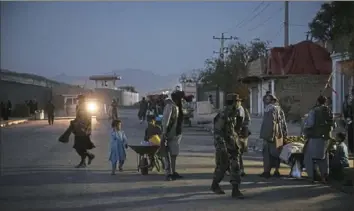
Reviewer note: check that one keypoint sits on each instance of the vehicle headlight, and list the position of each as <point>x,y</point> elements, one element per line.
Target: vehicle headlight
<point>92,107</point>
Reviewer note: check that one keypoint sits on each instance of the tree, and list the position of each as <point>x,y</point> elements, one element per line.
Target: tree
<point>128,88</point>
<point>183,77</point>
<point>226,74</point>
<point>192,76</point>
<point>334,22</point>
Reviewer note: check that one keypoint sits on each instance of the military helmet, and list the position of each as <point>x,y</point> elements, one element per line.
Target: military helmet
<point>233,97</point>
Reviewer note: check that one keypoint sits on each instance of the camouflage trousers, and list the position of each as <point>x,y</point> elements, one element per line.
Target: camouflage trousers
<point>224,161</point>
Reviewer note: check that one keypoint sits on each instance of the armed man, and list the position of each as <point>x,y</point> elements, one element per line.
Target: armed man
<point>243,134</point>
<point>227,125</point>
<point>318,127</point>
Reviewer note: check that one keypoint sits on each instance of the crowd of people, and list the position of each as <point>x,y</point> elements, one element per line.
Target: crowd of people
<point>231,132</point>
<point>152,107</point>
<point>230,126</point>
<point>6,109</point>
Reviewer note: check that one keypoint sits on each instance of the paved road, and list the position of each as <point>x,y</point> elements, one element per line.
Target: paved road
<point>38,174</point>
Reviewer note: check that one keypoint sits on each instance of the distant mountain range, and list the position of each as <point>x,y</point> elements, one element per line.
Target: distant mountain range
<point>144,81</point>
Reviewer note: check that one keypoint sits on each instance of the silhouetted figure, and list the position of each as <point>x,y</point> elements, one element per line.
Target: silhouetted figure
<point>50,112</point>
<point>30,107</point>
<point>3,111</point>
<point>9,108</point>
<point>143,107</point>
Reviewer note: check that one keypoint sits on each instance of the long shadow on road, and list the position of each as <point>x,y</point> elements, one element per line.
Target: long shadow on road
<point>257,190</point>
<point>268,197</point>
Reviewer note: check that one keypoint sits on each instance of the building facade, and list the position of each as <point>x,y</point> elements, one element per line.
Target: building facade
<point>342,80</point>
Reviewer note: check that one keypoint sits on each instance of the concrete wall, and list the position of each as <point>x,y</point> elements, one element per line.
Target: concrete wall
<point>125,98</point>
<point>18,93</point>
<point>19,87</point>
<point>128,98</point>
<point>297,94</point>
<point>107,95</point>
<point>190,88</point>
<point>204,107</point>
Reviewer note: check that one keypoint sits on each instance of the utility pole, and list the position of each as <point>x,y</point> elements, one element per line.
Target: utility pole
<point>223,50</point>
<point>307,35</point>
<point>286,24</point>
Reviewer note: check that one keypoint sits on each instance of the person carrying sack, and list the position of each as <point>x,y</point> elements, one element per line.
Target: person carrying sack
<point>81,128</point>
<point>273,130</point>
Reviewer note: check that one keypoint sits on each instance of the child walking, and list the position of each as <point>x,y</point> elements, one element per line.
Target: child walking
<point>118,146</point>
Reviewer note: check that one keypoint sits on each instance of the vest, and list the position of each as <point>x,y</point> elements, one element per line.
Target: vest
<point>323,123</point>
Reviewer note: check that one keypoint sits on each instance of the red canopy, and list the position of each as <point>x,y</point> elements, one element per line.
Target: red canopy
<point>302,58</point>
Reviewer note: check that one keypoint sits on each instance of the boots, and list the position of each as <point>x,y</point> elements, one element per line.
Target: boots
<point>236,193</point>
<point>170,177</point>
<point>90,158</point>
<point>215,187</point>
<point>265,175</point>
<point>82,164</point>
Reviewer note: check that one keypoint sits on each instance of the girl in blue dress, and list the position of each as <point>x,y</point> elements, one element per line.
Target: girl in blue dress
<point>118,146</point>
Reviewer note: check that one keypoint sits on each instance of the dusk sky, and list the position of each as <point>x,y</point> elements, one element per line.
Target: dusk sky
<point>85,38</point>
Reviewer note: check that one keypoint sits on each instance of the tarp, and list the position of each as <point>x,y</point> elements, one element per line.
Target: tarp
<point>305,58</point>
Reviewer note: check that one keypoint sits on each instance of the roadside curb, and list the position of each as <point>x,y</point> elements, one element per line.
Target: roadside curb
<point>13,122</point>
<point>60,118</point>
<point>22,121</point>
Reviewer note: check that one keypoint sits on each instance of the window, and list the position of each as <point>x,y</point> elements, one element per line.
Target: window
<point>270,86</point>
<point>68,101</point>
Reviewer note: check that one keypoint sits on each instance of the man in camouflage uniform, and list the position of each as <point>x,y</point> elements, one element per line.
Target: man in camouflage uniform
<point>227,125</point>
<point>243,133</point>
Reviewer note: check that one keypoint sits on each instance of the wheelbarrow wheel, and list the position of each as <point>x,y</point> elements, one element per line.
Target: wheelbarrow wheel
<point>144,166</point>
<point>156,164</point>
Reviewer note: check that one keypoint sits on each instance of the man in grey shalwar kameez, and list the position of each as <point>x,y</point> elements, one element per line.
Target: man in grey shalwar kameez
<point>171,139</point>
<point>273,130</point>
<point>318,127</point>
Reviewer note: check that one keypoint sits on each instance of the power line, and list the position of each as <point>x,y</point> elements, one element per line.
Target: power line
<point>286,23</point>
<point>279,32</point>
<point>256,15</point>
<point>242,21</point>
<point>257,7</point>
<point>268,19</point>
<point>296,24</point>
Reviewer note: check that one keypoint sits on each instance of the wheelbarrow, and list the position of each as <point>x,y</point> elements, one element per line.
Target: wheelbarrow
<point>143,154</point>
